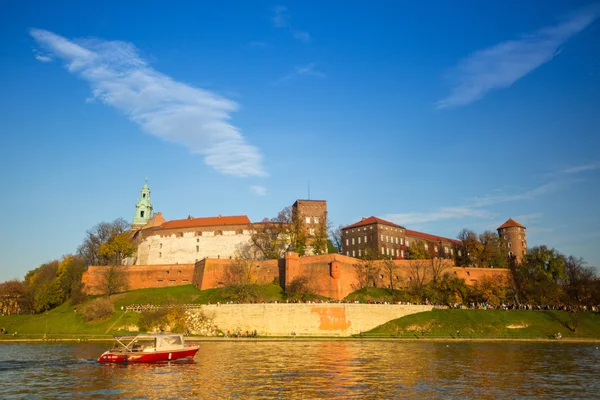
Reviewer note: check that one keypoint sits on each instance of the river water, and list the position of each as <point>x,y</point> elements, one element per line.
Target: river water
<point>288,369</point>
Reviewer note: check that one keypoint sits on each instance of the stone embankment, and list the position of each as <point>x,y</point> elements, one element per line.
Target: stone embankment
<point>307,319</point>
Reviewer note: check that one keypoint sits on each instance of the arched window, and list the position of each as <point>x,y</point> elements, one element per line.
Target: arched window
<point>142,214</point>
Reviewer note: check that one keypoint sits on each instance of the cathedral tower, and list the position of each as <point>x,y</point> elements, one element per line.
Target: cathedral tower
<point>143,208</point>
<point>514,237</point>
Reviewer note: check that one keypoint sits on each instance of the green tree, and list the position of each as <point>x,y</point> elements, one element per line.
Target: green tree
<point>537,279</point>
<point>450,290</point>
<point>417,251</point>
<point>48,296</point>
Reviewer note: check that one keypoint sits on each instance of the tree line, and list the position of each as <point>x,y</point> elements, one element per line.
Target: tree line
<point>54,282</point>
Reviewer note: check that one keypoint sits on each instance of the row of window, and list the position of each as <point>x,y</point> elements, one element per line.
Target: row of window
<point>315,219</point>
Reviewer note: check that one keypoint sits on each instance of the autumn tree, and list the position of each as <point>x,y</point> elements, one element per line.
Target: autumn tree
<point>13,297</point>
<point>98,236</point>
<point>116,249</point>
<point>484,251</point>
<point>492,289</point>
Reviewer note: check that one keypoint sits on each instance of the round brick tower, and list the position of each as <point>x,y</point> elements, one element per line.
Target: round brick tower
<point>515,239</point>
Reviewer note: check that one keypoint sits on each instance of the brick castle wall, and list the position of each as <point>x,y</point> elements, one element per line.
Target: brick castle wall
<point>141,276</point>
<point>330,275</point>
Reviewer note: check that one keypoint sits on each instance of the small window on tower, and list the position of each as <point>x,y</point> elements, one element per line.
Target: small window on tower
<point>142,214</point>
<point>144,196</point>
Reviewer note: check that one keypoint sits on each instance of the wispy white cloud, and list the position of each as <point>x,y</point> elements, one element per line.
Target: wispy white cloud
<point>259,190</point>
<point>443,213</point>
<point>171,110</point>
<point>306,70</point>
<point>281,19</point>
<point>41,57</point>
<point>581,168</point>
<point>501,197</point>
<point>502,65</point>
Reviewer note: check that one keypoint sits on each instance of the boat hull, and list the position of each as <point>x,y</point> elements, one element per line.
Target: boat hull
<point>149,357</point>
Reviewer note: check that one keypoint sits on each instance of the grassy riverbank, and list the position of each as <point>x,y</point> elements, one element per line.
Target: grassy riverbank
<point>64,322</point>
<point>492,324</point>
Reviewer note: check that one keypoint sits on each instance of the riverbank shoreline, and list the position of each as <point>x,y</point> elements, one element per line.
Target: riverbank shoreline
<point>314,339</point>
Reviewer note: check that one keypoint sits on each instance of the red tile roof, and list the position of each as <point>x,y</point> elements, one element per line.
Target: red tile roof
<point>511,223</point>
<point>190,222</point>
<point>372,220</point>
<point>431,238</point>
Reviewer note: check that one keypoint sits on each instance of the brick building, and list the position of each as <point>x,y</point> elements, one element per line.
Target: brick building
<point>514,237</point>
<point>377,238</point>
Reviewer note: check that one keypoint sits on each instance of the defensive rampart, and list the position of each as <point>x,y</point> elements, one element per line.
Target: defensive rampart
<point>140,276</point>
<point>309,319</point>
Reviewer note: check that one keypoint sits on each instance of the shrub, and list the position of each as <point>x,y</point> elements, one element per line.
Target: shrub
<point>98,309</point>
<point>167,318</point>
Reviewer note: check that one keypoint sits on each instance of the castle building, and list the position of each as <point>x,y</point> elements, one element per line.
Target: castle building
<point>189,240</point>
<point>377,238</point>
<point>514,237</point>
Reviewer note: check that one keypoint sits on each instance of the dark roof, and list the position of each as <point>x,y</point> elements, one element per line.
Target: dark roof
<point>372,220</point>
<point>511,223</point>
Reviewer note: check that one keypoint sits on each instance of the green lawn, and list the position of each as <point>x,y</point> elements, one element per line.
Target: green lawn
<point>374,294</point>
<point>63,321</point>
<point>492,324</point>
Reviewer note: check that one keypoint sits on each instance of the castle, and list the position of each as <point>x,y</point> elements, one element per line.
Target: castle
<point>198,250</point>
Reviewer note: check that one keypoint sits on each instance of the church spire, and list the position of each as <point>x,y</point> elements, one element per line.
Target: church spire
<point>143,208</point>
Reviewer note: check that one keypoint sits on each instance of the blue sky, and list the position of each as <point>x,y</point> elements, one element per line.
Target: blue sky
<point>436,115</point>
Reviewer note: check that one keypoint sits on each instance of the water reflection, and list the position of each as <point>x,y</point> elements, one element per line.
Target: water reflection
<point>310,369</point>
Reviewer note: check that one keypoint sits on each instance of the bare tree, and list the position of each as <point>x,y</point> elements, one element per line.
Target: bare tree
<point>391,273</point>
<point>113,279</point>
<point>418,272</point>
<point>239,277</point>
<point>578,282</point>
<point>366,273</point>
<point>96,237</point>
<point>268,238</point>
<point>336,237</point>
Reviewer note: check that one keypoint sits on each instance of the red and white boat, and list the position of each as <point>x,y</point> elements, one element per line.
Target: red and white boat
<point>149,348</point>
